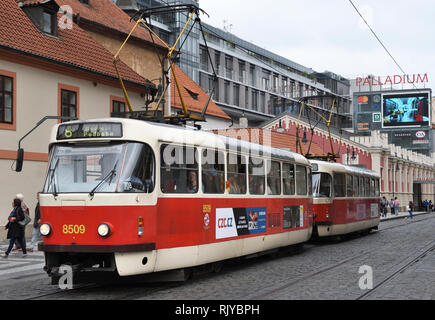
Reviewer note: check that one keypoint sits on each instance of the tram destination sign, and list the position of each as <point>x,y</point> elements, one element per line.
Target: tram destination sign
<point>89,130</point>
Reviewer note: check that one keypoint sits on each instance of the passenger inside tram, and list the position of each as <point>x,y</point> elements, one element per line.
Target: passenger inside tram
<point>168,181</point>
<point>212,181</point>
<point>192,183</point>
<point>234,186</point>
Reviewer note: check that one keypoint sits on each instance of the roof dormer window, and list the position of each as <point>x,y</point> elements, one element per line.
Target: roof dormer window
<point>43,14</point>
<point>49,20</point>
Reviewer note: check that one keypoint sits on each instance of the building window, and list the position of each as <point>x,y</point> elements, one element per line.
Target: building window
<point>252,75</point>
<point>217,60</point>
<point>84,1</point>
<point>117,106</point>
<point>6,99</point>
<point>203,58</point>
<point>255,100</point>
<point>229,67</point>
<point>49,22</point>
<point>236,94</point>
<point>68,101</point>
<point>242,72</point>
<point>227,92</point>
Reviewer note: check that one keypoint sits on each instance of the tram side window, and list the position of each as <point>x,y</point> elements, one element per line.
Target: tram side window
<point>377,189</point>
<point>236,173</point>
<point>213,171</point>
<point>339,185</point>
<point>273,177</point>
<point>356,185</point>
<point>179,169</point>
<point>372,187</point>
<point>367,187</point>
<point>349,186</point>
<point>361,187</point>
<point>301,180</point>
<point>321,185</point>
<point>256,176</point>
<point>139,169</point>
<point>288,178</point>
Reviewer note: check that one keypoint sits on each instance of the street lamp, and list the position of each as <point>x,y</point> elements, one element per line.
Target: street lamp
<point>280,129</point>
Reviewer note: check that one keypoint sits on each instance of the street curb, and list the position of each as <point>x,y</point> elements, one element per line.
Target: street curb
<point>403,215</point>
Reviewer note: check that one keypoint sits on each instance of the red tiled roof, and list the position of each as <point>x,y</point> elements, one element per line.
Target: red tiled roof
<point>73,47</point>
<point>192,104</point>
<point>108,14</point>
<point>272,138</point>
<point>31,2</point>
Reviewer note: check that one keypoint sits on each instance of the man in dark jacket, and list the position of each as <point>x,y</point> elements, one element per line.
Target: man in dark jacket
<point>15,230</point>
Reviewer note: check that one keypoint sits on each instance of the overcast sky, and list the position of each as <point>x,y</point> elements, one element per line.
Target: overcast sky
<point>329,34</point>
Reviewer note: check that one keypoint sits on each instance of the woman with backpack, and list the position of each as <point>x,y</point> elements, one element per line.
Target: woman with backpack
<point>15,229</point>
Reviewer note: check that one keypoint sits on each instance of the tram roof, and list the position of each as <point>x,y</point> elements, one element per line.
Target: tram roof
<point>132,129</point>
<point>339,167</point>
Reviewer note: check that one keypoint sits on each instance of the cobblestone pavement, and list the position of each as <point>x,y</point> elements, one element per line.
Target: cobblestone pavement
<point>325,270</point>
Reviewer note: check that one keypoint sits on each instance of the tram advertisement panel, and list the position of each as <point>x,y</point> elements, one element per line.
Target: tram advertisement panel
<point>234,222</point>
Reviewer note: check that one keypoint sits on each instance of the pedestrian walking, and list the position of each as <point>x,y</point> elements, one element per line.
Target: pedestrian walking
<point>410,209</point>
<point>430,206</point>
<point>26,210</point>
<point>15,230</point>
<point>396,206</point>
<point>426,205</point>
<point>36,234</point>
<point>384,204</point>
<point>392,206</point>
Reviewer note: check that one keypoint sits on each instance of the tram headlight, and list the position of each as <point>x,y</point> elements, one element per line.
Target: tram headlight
<point>45,229</point>
<point>104,230</point>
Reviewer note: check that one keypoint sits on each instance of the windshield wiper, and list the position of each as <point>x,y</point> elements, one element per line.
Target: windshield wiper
<point>53,179</point>
<point>109,175</point>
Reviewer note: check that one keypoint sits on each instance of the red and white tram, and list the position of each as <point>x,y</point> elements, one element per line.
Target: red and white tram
<point>137,197</point>
<point>345,199</point>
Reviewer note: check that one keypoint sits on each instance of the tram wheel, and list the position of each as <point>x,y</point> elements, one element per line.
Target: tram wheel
<point>217,267</point>
<point>188,273</point>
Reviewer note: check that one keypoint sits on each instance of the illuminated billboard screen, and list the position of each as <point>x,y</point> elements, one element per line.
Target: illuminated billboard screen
<point>406,110</point>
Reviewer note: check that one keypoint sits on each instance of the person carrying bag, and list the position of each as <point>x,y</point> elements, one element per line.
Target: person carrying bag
<point>15,229</point>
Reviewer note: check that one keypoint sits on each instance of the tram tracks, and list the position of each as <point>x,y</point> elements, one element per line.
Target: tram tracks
<point>95,291</point>
<point>406,263</point>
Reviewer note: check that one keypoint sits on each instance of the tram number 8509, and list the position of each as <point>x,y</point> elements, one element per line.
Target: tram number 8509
<point>73,229</point>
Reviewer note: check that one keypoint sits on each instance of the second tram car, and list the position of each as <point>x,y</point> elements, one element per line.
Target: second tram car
<point>135,197</point>
<point>346,199</point>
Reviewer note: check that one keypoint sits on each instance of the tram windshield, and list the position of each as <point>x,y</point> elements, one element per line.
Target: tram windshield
<point>321,185</point>
<point>122,167</point>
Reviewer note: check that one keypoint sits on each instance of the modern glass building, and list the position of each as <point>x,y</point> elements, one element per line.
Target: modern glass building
<point>251,82</point>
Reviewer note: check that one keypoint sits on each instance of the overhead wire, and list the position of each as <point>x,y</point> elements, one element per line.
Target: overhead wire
<point>379,40</point>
